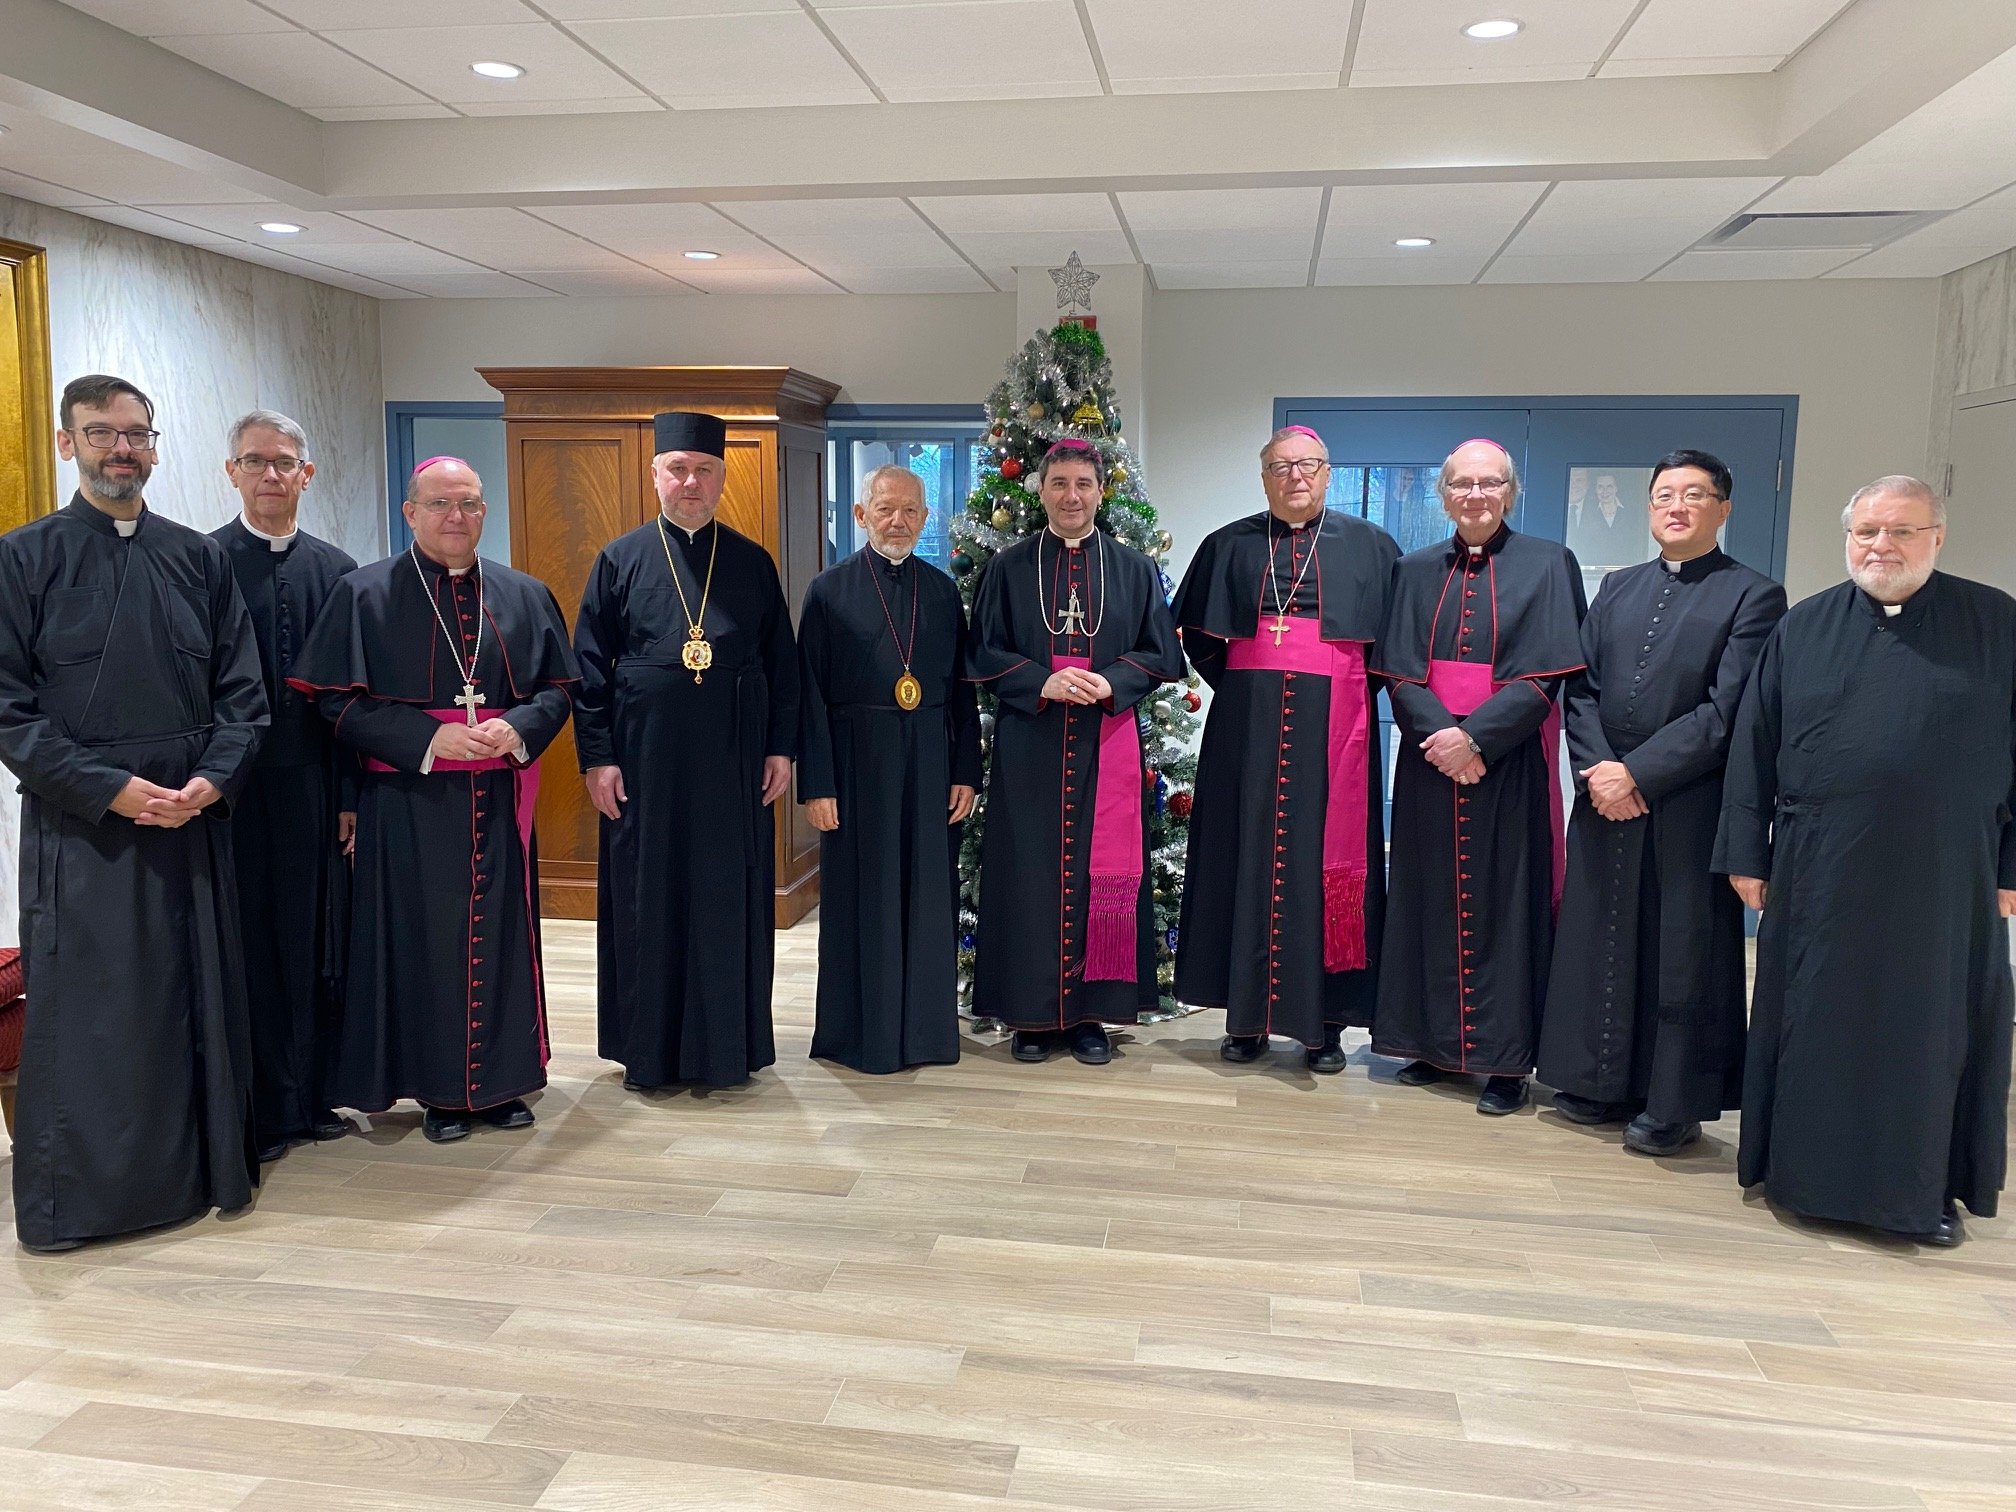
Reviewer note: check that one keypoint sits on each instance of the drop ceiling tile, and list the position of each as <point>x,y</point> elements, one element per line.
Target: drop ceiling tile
<point>654,10</point>
<point>1232,275</point>
<point>1926,183</point>
<point>267,257</point>
<point>1221,209</point>
<point>958,214</point>
<point>1163,46</point>
<point>1701,267</point>
<point>1032,48</point>
<point>630,104</point>
<point>183,18</point>
<point>1573,268</point>
<point>1416,269</point>
<point>661,234</point>
<point>1909,259</point>
<point>775,217</point>
<point>1464,219</point>
<point>1255,244</point>
<point>388,260</point>
<point>1662,68</point>
<point>729,61</point>
<point>588,283</point>
<point>1003,251</point>
<point>241,223</point>
<point>921,249</point>
<point>958,279</point>
<point>155,225</point>
<point>296,69</point>
<point>1595,217</point>
<point>1422,41</point>
<point>436,59</point>
<point>346,15</point>
<point>713,279</point>
<point>497,236</point>
<point>479,284</point>
<point>1720,31</point>
<point>22,186</point>
<point>426,112</point>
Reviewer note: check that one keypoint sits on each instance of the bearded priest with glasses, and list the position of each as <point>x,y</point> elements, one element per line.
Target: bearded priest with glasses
<point>447,676</point>
<point>1285,890</point>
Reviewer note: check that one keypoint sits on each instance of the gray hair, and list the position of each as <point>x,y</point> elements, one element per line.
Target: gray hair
<point>1896,483</point>
<point>886,470</point>
<point>270,420</point>
<point>1287,431</point>
<point>1511,467</point>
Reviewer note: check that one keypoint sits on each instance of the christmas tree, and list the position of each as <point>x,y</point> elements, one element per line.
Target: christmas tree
<point>1061,385</point>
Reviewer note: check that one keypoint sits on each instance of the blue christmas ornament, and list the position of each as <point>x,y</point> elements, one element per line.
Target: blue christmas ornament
<point>1161,792</point>
<point>1171,937</point>
<point>965,942</point>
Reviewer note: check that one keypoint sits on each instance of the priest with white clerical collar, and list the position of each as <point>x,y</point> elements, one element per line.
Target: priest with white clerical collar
<point>686,723</point>
<point>447,675</point>
<point>1070,632</point>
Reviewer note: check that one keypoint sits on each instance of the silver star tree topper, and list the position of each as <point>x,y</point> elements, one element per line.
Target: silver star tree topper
<point>1074,283</point>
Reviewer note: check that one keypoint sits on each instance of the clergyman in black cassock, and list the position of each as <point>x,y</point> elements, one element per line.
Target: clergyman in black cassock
<point>1867,812</point>
<point>130,710</point>
<point>686,722</point>
<point>1070,632</point>
<point>292,818</point>
<point>1284,891</point>
<point>447,675</point>
<point>887,770</point>
<point>1645,1005</point>
<point>1481,631</point>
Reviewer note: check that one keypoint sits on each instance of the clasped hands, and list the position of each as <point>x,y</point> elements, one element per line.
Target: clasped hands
<point>1076,685</point>
<point>1448,751</point>
<point>491,740</point>
<point>1613,792</point>
<point>156,807</point>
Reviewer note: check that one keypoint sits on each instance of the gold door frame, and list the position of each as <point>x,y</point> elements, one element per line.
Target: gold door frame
<point>27,393</point>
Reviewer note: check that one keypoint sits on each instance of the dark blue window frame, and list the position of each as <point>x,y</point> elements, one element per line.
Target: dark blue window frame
<point>400,456</point>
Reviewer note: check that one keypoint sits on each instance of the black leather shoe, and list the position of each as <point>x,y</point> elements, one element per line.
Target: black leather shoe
<point>508,1115</point>
<point>444,1126</point>
<point>1031,1046</point>
<point>1417,1074</point>
<point>1586,1110</point>
<point>1503,1094</point>
<point>1090,1046</point>
<point>1948,1233</point>
<point>273,1152</point>
<point>1649,1138</point>
<point>1242,1049</point>
<point>328,1124</point>
<point>54,1247</point>
<point>1329,1060</point>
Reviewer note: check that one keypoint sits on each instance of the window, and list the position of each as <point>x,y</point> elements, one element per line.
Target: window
<point>940,444</point>
<point>472,431</point>
<point>1400,496</point>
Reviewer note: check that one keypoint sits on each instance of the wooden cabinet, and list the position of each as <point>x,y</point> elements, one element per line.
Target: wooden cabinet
<point>580,447</point>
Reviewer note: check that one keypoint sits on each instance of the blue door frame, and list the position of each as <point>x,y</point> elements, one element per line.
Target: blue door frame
<point>400,456</point>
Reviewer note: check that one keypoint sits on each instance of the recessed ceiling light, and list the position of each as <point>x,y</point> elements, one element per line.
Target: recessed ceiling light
<point>703,256</point>
<point>496,70</point>
<point>1415,241</point>
<point>280,228</point>
<point>1494,31</point>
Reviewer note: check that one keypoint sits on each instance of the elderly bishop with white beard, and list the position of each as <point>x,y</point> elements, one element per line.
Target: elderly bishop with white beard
<point>1867,812</point>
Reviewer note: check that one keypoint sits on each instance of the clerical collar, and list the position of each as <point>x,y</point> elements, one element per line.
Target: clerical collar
<point>891,562</point>
<point>433,566</point>
<point>90,514</point>
<point>1891,611</point>
<point>273,542</point>
<point>1490,547</point>
<point>1671,566</point>
<point>1068,541</point>
<point>691,535</point>
<point>126,527</point>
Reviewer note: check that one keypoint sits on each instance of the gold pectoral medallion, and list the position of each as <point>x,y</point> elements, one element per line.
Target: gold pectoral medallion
<point>909,692</point>
<point>696,656</point>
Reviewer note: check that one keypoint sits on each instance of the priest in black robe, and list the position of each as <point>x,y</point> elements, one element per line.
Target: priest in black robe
<point>888,767</point>
<point>1481,631</point>
<point>686,722</point>
<point>1070,632</point>
<point>1284,893</point>
<point>1866,811</point>
<point>130,710</point>
<point>447,675</point>
<point>294,816</point>
<point>1644,1022</point>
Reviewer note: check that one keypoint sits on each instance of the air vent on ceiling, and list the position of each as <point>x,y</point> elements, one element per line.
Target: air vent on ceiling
<point>1852,230</point>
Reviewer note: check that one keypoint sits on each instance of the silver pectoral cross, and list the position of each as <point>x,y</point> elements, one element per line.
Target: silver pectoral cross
<point>469,699</point>
<point>1074,616</point>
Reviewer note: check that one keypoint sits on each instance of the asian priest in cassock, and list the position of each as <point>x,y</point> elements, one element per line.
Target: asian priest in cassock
<point>1866,811</point>
<point>888,766</point>
<point>295,814</point>
<point>447,675</point>
<point>1644,1021</point>
<point>130,709</point>
<point>1070,632</point>
<point>686,722</point>
<point>1481,631</point>
<point>1284,892</point>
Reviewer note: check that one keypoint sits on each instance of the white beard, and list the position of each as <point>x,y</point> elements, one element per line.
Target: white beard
<point>1888,584</point>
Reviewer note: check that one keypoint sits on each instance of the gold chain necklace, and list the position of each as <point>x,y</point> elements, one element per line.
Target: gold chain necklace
<point>696,656</point>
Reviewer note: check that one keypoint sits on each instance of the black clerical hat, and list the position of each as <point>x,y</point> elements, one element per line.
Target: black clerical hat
<point>689,431</point>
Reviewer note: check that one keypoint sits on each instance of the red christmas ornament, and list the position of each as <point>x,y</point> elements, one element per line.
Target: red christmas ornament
<point>1148,776</point>
<point>1193,701</point>
<point>1179,805</point>
<point>1010,469</point>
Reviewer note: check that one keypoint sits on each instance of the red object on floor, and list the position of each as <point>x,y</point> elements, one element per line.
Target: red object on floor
<point>13,1009</point>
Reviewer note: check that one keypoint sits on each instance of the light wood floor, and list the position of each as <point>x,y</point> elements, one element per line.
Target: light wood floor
<point>1167,1283</point>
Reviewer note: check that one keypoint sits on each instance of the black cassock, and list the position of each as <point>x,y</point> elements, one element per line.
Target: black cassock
<point>293,879</point>
<point>888,926</point>
<point>1257,831</point>
<point>124,657</point>
<point>1870,783</point>
<point>443,1001</point>
<point>1037,853</point>
<point>1470,886</point>
<point>1646,1000</point>
<point>687,876</point>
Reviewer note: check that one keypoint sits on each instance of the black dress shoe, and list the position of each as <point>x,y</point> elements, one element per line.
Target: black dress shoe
<point>328,1124</point>
<point>445,1125</point>
<point>1649,1137</point>
<point>53,1247</point>
<point>273,1152</point>
<point>1948,1233</point>
<point>1417,1074</point>
<point>1031,1045</point>
<point>507,1115</point>
<point>1503,1094</point>
<point>1090,1046</point>
<point>1328,1060</point>
<point>1586,1110</point>
<point>1242,1049</point>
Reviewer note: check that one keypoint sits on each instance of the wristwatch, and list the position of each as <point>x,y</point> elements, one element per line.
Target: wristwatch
<point>1475,749</point>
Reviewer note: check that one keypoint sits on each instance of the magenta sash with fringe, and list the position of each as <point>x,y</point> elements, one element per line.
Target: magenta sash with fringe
<point>1463,687</point>
<point>1302,649</point>
<point>1111,935</point>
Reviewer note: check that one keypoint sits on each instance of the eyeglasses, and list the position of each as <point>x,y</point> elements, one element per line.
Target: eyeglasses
<point>105,437</point>
<point>470,507</point>
<point>1903,535</point>
<point>1308,467</point>
<point>1458,487</point>
<point>252,466</point>
<point>1693,498</point>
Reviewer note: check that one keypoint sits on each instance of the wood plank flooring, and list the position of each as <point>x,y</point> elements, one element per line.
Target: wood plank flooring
<point>1163,1284</point>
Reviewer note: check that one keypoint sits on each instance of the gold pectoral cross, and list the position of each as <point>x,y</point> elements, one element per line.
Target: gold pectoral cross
<point>1279,627</point>
<point>469,699</point>
<point>1074,616</point>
